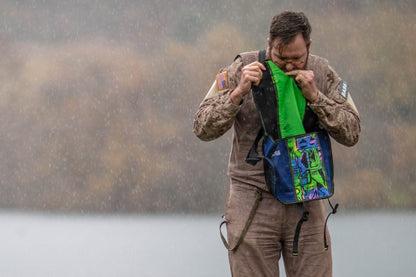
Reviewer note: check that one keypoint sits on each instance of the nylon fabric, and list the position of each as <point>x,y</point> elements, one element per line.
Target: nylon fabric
<point>291,103</point>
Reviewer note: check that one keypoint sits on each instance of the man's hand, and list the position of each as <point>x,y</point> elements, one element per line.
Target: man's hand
<point>306,80</point>
<point>250,74</point>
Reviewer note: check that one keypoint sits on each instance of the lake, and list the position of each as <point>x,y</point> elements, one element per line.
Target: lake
<point>34,244</point>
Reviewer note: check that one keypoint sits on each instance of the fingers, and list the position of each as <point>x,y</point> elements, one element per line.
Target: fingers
<point>302,76</point>
<point>299,78</point>
<point>306,79</point>
<point>253,72</point>
<point>255,67</point>
<point>252,76</point>
<point>296,74</point>
<point>260,65</point>
<point>293,72</point>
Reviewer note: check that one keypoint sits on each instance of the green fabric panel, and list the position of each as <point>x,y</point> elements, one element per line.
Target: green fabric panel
<point>291,103</point>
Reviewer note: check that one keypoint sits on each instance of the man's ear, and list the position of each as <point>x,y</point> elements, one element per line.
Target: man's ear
<point>268,43</point>
<point>309,44</point>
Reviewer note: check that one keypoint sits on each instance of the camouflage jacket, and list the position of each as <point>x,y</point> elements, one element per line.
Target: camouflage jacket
<point>217,114</point>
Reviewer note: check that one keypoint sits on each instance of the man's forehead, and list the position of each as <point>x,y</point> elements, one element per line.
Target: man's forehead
<point>296,42</point>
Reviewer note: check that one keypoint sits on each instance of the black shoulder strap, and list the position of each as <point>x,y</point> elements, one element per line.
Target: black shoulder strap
<point>264,96</point>
<point>253,156</point>
<point>310,121</point>
<point>262,55</point>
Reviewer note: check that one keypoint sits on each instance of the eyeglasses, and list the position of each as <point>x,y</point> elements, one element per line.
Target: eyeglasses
<point>282,61</point>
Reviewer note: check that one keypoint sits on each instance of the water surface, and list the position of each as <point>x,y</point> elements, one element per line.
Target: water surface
<point>364,244</point>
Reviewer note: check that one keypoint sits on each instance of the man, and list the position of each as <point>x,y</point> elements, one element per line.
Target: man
<point>230,103</point>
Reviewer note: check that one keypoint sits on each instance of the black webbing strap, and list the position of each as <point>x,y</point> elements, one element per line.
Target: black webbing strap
<point>265,99</point>
<point>304,218</point>
<point>334,211</point>
<point>253,156</point>
<point>262,55</point>
<point>259,197</point>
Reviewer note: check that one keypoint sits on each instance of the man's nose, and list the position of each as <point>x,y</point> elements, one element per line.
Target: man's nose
<point>289,67</point>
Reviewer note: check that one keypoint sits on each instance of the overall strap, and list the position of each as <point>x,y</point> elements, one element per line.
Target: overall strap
<point>259,197</point>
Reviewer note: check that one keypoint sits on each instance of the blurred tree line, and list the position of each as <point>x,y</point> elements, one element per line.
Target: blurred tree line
<point>97,100</point>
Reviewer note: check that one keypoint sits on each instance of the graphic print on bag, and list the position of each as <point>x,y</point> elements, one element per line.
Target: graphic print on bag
<point>297,156</point>
<point>306,159</point>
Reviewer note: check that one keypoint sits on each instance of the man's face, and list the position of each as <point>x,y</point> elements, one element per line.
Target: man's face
<point>293,56</point>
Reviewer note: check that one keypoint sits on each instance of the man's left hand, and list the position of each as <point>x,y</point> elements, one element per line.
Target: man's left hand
<point>306,80</point>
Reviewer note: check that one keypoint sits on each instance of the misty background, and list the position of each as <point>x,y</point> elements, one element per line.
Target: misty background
<point>97,100</point>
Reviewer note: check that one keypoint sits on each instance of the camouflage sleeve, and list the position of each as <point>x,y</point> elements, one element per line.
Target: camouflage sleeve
<point>216,113</point>
<point>337,112</point>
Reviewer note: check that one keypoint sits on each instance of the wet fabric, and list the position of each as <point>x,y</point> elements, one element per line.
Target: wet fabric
<point>271,236</point>
<point>291,103</point>
<point>300,168</point>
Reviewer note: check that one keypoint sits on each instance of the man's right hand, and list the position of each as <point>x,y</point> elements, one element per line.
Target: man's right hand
<point>250,74</point>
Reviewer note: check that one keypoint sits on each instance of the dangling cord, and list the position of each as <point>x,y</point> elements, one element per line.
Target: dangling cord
<point>304,218</point>
<point>334,211</point>
<point>259,197</point>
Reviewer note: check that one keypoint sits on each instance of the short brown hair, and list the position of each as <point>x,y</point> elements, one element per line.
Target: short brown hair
<point>287,25</point>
